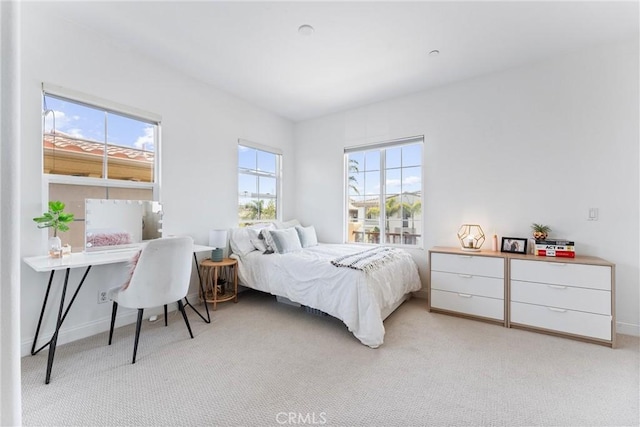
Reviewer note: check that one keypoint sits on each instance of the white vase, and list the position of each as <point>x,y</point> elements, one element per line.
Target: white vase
<point>55,247</point>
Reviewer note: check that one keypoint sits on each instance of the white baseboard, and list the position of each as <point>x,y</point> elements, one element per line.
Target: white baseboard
<point>628,329</point>
<point>95,327</point>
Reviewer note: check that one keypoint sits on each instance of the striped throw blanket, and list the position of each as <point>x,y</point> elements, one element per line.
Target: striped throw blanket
<point>369,260</point>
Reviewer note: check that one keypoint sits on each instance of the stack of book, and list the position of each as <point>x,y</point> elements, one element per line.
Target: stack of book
<point>557,248</point>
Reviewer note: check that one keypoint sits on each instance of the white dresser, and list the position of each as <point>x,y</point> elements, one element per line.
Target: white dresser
<point>467,284</point>
<point>563,296</point>
<point>569,297</point>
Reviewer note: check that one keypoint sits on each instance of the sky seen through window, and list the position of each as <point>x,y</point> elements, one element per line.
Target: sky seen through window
<point>84,122</point>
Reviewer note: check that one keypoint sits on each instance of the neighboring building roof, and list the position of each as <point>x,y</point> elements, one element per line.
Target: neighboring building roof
<point>64,142</point>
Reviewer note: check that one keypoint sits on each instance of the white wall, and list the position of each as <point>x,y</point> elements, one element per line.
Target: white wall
<point>200,130</point>
<point>540,143</point>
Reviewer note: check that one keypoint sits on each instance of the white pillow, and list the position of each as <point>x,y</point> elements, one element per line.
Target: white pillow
<point>265,236</point>
<point>307,236</point>
<point>240,240</point>
<point>259,245</point>
<point>259,226</point>
<point>287,224</point>
<point>285,241</point>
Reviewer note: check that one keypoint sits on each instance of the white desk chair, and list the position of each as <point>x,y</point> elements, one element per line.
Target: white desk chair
<point>160,277</point>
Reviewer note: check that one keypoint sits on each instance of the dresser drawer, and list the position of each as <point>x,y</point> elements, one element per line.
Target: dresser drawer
<point>468,284</point>
<point>468,264</point>
<point>561,296</point>
<point>468,304</point>
<point>568,321</point>
<point>559,273</point>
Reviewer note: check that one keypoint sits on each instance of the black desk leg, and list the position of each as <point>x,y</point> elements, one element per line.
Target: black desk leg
<point>186,301</point>
<point>44,305</point>
<point>54,340</point>
<point>73,298</point>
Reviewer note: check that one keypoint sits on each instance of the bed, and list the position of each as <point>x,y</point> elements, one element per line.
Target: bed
<point>333,278</point>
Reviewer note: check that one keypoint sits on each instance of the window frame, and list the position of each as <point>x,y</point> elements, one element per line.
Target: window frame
<point>114,108</point>
<point>278,178</point>
<point>104,182</point>
<point>381,148</point>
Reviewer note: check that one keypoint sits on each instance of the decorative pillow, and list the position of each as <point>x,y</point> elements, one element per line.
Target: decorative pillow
<point>285,241</point>
<point>240,240</point>
<point>307,236</point>
<point>133,262</point>
<point>265,236</point>
<point>287,224</point>
<point>108,239</point>
<point>259,245</point>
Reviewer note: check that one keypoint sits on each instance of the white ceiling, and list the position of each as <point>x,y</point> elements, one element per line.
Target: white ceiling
<point>360,52</point>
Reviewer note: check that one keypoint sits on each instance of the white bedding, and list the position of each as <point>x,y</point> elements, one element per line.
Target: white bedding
<point>355,297</point>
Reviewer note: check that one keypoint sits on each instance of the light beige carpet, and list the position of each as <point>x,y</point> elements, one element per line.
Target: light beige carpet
<point>262,363</point>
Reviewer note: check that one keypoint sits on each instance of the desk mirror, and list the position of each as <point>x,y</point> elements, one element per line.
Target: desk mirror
<point>118,224</point>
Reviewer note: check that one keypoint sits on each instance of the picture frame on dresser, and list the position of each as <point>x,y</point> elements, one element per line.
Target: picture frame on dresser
<point>514,245</point>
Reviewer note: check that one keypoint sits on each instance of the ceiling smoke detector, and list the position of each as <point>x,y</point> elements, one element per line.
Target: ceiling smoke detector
<point>305,30</point>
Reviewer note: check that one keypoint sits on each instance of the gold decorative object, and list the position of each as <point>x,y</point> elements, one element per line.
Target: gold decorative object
<point>471,237</point>
<point>540,231</point>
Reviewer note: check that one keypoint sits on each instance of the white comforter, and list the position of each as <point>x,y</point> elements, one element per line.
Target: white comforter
<point>355,297</point>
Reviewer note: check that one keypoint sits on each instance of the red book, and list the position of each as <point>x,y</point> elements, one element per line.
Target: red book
<point>555,248</point>
<point>559,254</point>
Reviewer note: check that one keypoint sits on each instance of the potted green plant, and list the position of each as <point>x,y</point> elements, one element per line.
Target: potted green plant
<point>57,219</point>
<point>540,231</point>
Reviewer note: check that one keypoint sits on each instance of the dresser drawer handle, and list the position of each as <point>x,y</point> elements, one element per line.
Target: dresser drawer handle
<point>464,295</point>
<point>558,264</point>
<point>557,287</point>
<point>466,276</point>
<point>558,310</point>
<point>465,256</point>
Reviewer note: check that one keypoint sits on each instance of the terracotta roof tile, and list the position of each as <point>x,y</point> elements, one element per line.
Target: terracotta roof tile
<point>62,141</point>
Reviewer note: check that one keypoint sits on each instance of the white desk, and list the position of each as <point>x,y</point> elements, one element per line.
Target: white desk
<point>45,263</point>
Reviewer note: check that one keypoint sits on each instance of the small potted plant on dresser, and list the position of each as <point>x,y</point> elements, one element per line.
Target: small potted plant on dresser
<point>57,219</point>
<point>540,231</point>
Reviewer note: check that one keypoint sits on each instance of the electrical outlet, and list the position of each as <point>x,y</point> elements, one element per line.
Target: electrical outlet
<point>102,297</point>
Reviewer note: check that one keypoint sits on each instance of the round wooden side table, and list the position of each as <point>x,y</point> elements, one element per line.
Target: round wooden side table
<point>211,271</point>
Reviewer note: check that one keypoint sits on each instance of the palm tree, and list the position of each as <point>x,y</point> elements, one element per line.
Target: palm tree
<point>391,207</point>
<point>255,208</point>
<point>269,212</point>
<point>412,209</point>
<point>353,181</point>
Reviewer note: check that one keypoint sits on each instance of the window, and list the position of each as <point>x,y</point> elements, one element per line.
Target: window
<point>258,184</point>
<point>384,192</point>
<point>96,149</point>
<point>83,140</point>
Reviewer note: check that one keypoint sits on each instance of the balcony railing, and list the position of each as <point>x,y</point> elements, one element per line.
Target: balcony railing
<point>390,238</point>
